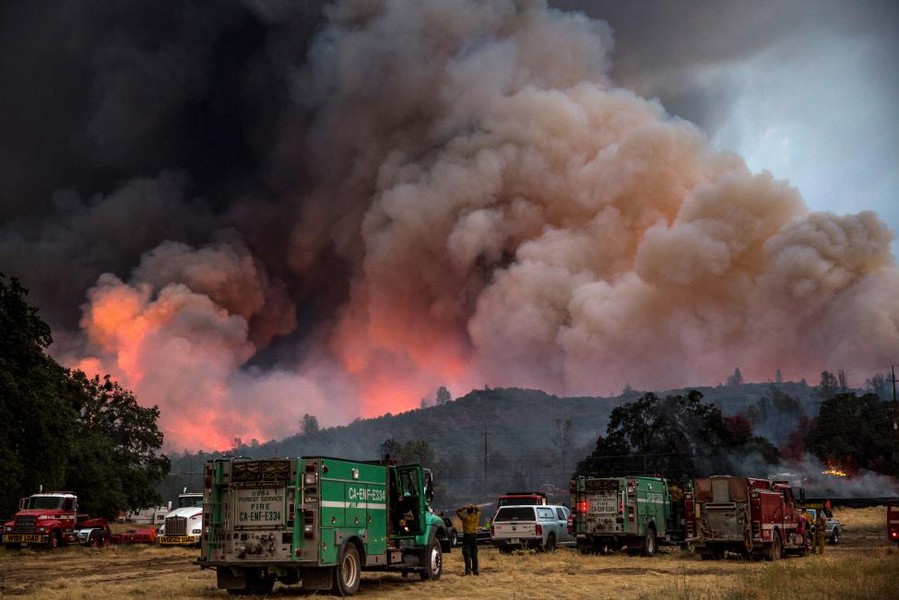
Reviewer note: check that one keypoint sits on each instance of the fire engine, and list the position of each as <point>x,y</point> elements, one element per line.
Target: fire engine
<point>893,521</point>
<point>51,519</point>
<point>317,521</point>
<point>750,516</point>
<point>633,513</point>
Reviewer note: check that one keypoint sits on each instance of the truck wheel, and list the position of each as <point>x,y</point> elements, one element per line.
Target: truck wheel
<point>433,562</point>
<point>347,573</point>
<point>93,540</point>
<point>649,542</point>
<point>774,551</point>
<point>454,538</point>
<point>550,545</point>
<point>835,536</point>
<point>53,543</point>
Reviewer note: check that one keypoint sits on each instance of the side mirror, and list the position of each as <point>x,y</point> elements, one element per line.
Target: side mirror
<point>429,485</point>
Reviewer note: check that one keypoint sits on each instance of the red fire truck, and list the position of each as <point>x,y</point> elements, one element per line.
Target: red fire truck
<point>753,517</point>
<point>893,521</point>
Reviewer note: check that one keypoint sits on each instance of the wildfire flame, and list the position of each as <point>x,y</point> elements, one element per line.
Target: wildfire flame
<point>836,471</point>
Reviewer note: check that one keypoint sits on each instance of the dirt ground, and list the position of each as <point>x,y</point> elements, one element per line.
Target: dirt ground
<point>138,571</point>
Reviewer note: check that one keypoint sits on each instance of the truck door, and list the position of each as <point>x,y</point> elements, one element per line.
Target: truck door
<point>631,525</point>
<point>408,511</point>
<point>689,515</point>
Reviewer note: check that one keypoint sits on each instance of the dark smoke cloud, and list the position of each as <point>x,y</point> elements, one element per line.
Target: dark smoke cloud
<point>268,209</point>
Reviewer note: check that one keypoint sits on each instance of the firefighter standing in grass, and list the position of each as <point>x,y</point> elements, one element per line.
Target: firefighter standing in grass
<point>470,515</point>
<point>820,531</point>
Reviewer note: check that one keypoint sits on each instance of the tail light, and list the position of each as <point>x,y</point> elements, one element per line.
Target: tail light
<point>538,529</point>
<point>621,507</point>
<point>582,506</point>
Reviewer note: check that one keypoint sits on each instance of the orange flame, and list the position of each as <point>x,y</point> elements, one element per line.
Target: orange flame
<point>836,471</point>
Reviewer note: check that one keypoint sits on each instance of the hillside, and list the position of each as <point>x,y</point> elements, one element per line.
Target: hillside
<point>493,440</point>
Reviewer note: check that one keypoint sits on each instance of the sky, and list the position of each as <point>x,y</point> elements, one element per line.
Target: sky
<point>264,209</point>
<point>805,90</point>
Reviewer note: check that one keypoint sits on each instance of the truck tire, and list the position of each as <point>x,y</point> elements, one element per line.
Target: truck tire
<point>649,542</point>
<point>433,561</point>
<point>835,536</point>
<point>774,552</point>
<point>54,540</point>
<point>550,545</point>
<point>348,572</point>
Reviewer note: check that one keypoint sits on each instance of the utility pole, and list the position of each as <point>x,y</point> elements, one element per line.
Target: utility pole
<point>485,460</point>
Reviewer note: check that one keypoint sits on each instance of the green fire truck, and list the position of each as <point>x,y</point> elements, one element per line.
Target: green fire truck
<point>317,521</point>
<point>633,513</point>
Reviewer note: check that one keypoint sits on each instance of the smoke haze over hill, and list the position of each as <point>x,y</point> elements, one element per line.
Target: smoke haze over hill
<point>271,209</point>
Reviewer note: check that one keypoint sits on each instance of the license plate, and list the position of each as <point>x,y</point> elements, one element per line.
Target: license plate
<point>20,538</point>
<point>514,541</point>
<point>176,539</point>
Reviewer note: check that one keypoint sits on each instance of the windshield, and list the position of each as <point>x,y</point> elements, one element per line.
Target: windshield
<point>515,513</point>
<point>45,502</point>
<point>190,501</point>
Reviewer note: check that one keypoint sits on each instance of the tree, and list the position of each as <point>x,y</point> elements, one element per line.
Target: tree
<point>443,396</point>
<point>413,451</point>
<point>309,425</point>
<point>879,384</point>
<point>828,386</point>
<point>736,378</point>
<point>115,461</point>
<point>35,405</point>
<point>854,433</point>
<point>65,431</point>
<point>390,449</point>
<point>680,436</point>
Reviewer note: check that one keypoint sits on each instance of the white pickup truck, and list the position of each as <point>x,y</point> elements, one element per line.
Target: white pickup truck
<point>541,527</point>
<point>832,530</point>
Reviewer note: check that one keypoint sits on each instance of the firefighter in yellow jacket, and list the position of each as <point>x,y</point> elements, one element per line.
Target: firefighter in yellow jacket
<point>470,515</point>
<point>820,531</point>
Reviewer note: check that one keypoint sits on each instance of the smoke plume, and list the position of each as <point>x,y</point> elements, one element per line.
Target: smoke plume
<point>335,210</point>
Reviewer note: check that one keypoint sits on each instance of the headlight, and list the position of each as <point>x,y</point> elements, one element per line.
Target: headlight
<point>196,531</point>
<point>310,478</point>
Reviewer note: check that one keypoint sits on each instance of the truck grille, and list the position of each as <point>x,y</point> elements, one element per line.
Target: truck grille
<point>25,525</point>
<point>176,526</point>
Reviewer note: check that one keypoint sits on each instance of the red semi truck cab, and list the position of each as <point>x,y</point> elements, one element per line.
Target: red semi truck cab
<point>51,519</point>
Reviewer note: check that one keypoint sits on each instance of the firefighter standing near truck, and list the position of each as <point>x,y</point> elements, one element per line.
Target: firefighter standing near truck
<point>820,531</point>
<point>470,515</point>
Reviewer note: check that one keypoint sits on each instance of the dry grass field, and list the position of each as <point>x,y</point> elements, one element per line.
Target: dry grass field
<point>863,566</point>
